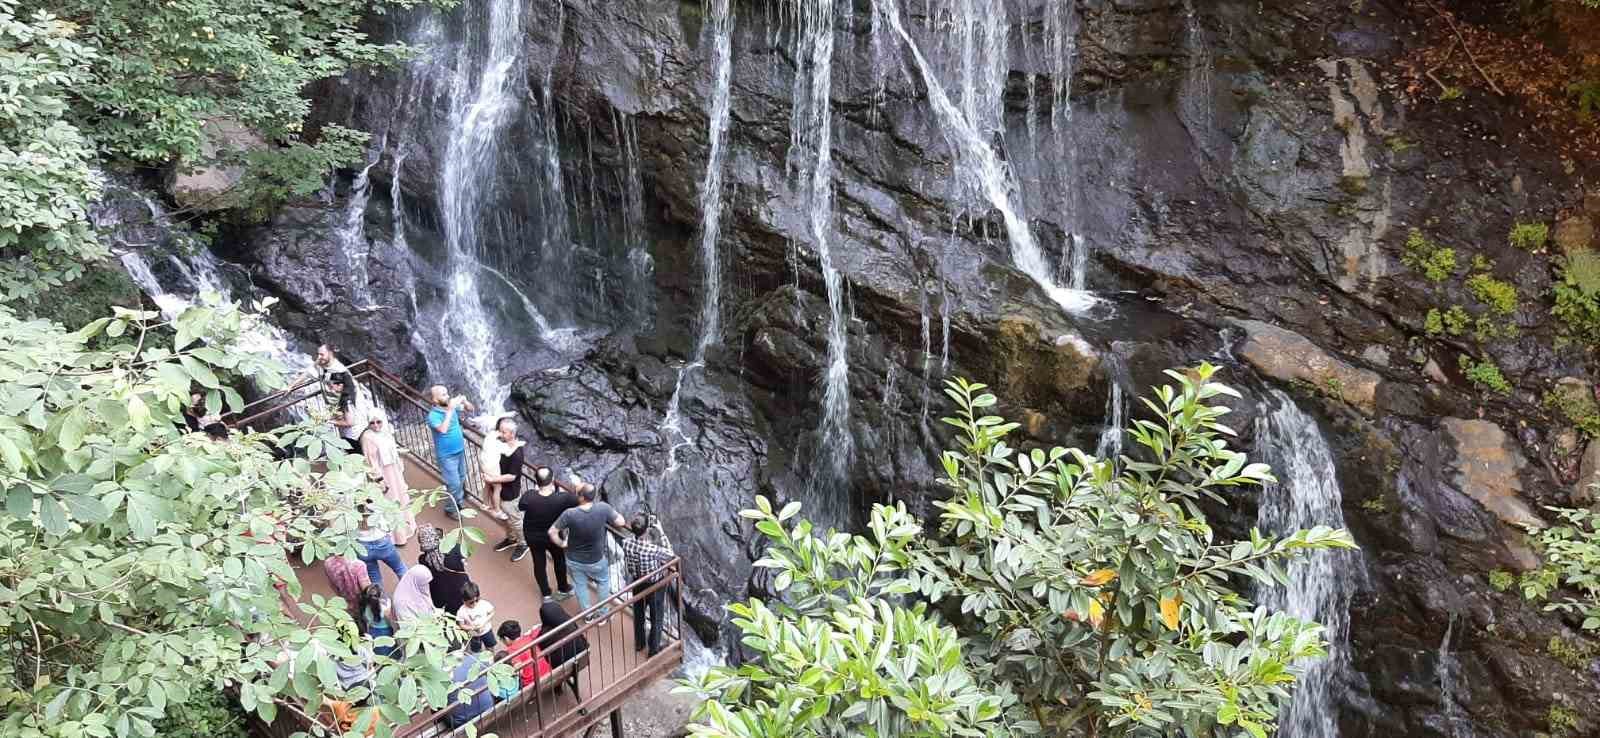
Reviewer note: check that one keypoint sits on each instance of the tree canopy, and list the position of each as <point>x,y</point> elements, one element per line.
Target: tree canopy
<point>91,83</point>
<point>139,561</point>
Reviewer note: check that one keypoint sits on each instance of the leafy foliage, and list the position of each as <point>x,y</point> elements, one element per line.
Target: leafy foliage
<point>1092,592</point>
<point>1572,552</point>
<point>1435,262</point>
<point>1500,296</point>
<point>47,178</point>
<point>1485,375</point>
<point>87,81</point>
<point>138,562</point>
<point>208,713</point>
<point>1578,296</point>
<point>1529,236</point>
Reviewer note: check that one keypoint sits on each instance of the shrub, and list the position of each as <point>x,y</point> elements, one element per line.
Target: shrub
<point>1529,235</point>
<point>1500,296</point>
<point>1502,580</point>
<point>1571,551</point>
<point>1435,262</point>
<point>1485,375</point>
<point>1093,598</point>
<point>1578,296</point>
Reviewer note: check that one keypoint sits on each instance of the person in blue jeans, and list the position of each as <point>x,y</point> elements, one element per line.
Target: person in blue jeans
<point>582,531</point>
<point>449,446</point>
<point>377,545</point>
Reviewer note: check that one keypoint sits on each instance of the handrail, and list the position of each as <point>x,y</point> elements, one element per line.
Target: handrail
<point>670,574</point>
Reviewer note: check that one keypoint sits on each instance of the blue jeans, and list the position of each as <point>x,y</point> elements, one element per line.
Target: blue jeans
<point>453,467</point>
<point>585,573</point>
<point>381,550</point>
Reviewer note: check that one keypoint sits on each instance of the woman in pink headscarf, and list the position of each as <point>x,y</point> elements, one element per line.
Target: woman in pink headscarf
<point>383,459</point>
<point>347,576</point>
<point>411,597</point>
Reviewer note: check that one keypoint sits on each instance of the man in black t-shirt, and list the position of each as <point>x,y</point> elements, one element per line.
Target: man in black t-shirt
<point>540,507</point>
<point>510,481</point>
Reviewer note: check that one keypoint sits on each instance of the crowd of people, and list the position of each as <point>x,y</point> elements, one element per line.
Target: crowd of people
<point>562,524</point>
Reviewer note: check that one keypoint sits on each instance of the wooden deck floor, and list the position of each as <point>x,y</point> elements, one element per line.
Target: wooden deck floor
<point>512,588</point>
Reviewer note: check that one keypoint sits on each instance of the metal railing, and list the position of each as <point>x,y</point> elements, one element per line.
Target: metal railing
<point>600,679</point>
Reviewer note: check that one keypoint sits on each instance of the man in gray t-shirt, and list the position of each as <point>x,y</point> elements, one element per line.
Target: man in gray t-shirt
<point>582,532</point>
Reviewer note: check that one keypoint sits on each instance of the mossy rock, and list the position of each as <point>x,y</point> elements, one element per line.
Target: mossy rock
<point>1037,369</point>
<point>86,298</point>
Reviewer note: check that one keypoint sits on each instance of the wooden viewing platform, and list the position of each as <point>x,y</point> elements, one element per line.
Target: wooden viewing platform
<point>615,667</point>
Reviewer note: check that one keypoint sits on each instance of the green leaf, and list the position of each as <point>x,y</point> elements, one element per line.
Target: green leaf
<point>19,502</point>
<point>51,516</point>
<point>87,509</point>
<point>73,428</point>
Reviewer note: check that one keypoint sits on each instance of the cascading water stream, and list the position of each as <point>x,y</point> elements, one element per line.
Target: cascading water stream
<point>987,174</point>
<point>811,153</point>
<point>1448,670</point>
<point>1320,584</point>
<point>711,220</point>
<point>352,233</point>
<point>480,106</point>
<point>1111,433</point>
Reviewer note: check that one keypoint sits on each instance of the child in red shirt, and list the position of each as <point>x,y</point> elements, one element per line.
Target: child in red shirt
<point>530,663</point>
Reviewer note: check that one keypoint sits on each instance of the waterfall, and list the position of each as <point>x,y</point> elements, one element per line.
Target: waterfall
<point>710,219</point>
<point>711,192</point>
<point>1320,584</point>
<point>986,173</point>
<point>480,106</point>
<point>1111,434</point>
<point>811,155</point>
<point>352,233</point>
<point>1448,670</point>
<point>1194,102</point>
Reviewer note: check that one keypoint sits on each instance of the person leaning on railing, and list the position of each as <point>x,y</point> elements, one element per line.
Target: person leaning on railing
<point>645,553</point>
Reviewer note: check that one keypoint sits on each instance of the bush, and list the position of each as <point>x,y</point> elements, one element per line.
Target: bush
<point>1435,262</point>
<point>1093,598</point>
<point>1577,406</point>
<point>1578,296</point>
<point>1485,375</point>
<point>1571,551</point>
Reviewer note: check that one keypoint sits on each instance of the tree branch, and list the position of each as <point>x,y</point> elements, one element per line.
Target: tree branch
<point>1470,56</point>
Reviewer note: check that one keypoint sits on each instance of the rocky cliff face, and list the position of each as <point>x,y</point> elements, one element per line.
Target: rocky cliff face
<point>1250,172</point>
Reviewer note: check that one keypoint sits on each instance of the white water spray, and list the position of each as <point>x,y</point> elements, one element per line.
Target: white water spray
<point>478,114</point>
<point>987,174</point>
<point>710,223</point>
<point>1320,584</point>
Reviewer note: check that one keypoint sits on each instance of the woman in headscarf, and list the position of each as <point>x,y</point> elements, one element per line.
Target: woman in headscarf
<point>449,569</point>
<point>412,599</point>
<point>383,459</point>
<point>554,619</point>
<point>347,576</point>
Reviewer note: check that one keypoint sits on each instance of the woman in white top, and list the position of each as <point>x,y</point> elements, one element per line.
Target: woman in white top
<point>383,458</point>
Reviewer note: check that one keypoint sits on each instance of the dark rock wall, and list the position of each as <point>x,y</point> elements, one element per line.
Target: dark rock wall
<point>1264,165</point>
